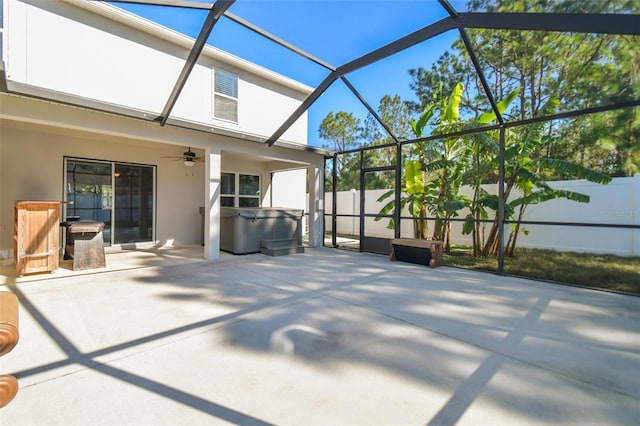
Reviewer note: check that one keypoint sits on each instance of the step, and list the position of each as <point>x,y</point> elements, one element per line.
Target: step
<point>277,243</point>
<point>282,251</point>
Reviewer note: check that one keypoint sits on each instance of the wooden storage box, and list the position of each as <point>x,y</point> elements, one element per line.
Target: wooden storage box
<point>422,252</point>
<point>36,238</point>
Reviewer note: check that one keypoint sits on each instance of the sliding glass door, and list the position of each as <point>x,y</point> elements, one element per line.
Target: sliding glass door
<point>133,209</point>
<point>120,195</point>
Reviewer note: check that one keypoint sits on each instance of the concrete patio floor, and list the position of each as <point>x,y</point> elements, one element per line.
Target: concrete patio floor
<point>327,337</point>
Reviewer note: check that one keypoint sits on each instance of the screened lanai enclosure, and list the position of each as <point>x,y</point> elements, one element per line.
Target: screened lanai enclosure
<point>503,128</point>
<point>514,141</point>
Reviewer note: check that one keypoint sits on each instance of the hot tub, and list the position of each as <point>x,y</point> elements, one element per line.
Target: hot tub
<point>242,228</point>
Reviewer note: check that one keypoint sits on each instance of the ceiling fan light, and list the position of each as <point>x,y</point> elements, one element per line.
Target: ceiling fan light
<point>189,163</point>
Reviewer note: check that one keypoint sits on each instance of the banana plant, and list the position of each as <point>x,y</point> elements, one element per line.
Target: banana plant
<point>524,170</point>
<point>449,168</point>
<point>479,158</point>
<point>485,160</point>
<point>416,191</point>
<point>434,173</point>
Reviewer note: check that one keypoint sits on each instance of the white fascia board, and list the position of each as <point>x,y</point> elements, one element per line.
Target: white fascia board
<point>27,103</point>
<point>126,18</point>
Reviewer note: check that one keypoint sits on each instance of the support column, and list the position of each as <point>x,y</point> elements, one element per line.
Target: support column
<point>316,204</point>
<point>501,201</point>
<point>212,204</point>
<point>635,215</point>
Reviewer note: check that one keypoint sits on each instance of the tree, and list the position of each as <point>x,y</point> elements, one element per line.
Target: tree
<point>415,190</point>
<point>571,71</point>
<point>434,172</point>
<point>454,155</point>
<point>523,169</point>
<point>482,165</point>
<point>579,70</point>
<point>341,129</point>
<point>395,114</point>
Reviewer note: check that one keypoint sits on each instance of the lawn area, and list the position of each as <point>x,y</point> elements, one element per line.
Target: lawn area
<point>602,271</point>
<point>591,270</point>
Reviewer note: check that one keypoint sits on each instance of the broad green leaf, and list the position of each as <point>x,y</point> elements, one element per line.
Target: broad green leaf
<point>511,152</point>
<point>385,210</point>
<point>386,195</point>
<point>546,195</point>
<point>527,178</point>
<point>413,177</point>
<point>438,164</point>
<point>455,205</point>
<point>575,170</point>
<point>469,225</point>
<point>490,201</point>
<point>452,110</point>
<point>490,115</point>
<point>418,126</point>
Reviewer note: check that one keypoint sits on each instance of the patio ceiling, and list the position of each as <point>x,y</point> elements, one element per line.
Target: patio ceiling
<point>341,66</point>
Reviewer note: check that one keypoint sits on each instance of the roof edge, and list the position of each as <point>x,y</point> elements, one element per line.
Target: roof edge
<point>12,88</point>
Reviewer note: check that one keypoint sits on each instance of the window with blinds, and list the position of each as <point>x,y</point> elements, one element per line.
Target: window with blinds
<point>225,95</point>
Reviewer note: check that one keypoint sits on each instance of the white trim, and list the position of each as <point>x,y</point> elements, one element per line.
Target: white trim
<point>236,182</point>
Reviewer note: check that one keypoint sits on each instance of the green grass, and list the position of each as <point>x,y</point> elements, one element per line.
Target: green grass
<point>592,270</point>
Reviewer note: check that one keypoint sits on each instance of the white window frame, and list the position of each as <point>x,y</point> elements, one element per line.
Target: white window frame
<point>227,95</point>
<point>237,195</point>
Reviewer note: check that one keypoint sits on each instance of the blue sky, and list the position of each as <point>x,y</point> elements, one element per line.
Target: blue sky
<point>335,31</point>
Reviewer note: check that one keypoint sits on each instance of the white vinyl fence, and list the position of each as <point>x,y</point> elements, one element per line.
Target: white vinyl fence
<point>616,203</point>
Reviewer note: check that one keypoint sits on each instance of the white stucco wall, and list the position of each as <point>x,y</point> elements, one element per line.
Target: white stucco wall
<point>178,193</point>
<point>289,189</point>
<point>66,48</point>
<point>35,136</point>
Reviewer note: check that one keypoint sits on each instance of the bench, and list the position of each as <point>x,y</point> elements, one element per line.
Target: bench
<point>422,252</point>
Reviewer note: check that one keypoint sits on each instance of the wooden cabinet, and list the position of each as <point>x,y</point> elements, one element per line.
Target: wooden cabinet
<point>36,238</point>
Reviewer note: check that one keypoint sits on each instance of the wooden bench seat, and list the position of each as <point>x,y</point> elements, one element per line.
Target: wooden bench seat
<point>422,252</point>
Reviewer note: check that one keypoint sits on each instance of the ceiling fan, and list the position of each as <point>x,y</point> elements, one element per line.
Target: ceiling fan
<point>188,157</point>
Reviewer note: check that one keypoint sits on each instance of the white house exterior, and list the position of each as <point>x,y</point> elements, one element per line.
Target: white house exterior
<point>83,84</point>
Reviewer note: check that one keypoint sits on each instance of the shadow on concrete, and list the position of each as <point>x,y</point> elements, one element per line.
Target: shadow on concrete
<point>471,336</point>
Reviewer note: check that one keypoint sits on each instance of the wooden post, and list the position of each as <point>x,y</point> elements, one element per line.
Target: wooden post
<point>9,336</point>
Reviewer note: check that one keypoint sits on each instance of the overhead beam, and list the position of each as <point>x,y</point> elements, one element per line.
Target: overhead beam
<point>561,22</point>
<point>399,45</point>
<point>388,50</point>
<point>371,110</point>
<point>216,11</point>
<point>333,76</point>
<point>447,6</point>
<point>277,40</point>
<point>481,76</point>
